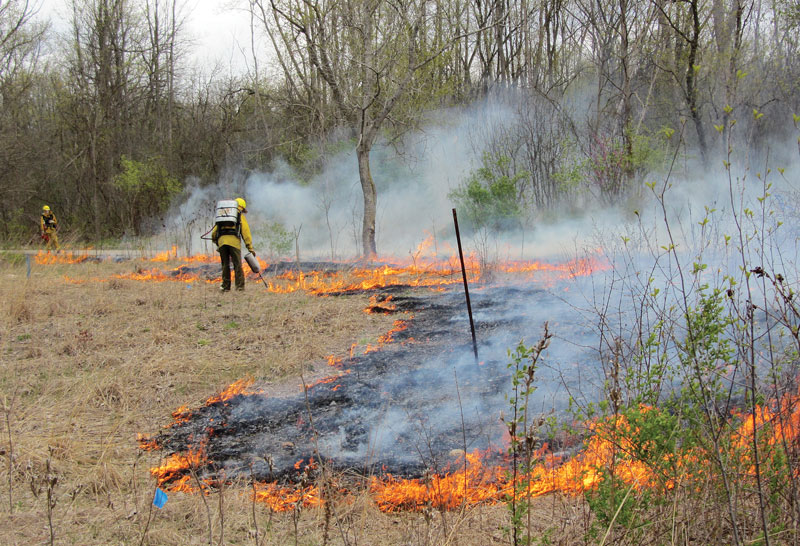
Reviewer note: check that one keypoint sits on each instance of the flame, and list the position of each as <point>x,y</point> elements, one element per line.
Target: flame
<point>610,439</point>
<point>238,387</point>
<point>388,337</point>
<point>283,499</point>
<point>207,259</point>
<point>335,362</point>
<point>326,380</point>
<point>157,275</point>
<point>419,271</point>
<point>475,482</point>
<point>399,326</point>
<point>322,283</point>
<point>166,255</point>
<point>46,258</point>
<point>424,246</point>
<point>180,415</point>
<point>172,473</point>
<point>146,442</point>
<point>581,267</point>
<point>383,306</point>
<point>195,259</point>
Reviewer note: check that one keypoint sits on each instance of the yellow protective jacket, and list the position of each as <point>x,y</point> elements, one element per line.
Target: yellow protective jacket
<point>48,222</point>
<point>233,240</point>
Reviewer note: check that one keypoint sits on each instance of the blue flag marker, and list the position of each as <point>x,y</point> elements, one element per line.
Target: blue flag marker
<point>160,499</point>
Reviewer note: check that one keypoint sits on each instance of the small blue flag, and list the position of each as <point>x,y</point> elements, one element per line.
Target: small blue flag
<point>160,499</point>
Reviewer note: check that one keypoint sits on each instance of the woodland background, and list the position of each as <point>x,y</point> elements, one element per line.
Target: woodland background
<point>109,122</point>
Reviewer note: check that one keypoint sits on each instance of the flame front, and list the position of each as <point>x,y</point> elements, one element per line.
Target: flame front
<point>174,474</point>
<point>283,499</point>
<point>431,272</point>
<point>46,258</point>
<point>472,484</point>
<point>609,446</point>
<point>239,387</point>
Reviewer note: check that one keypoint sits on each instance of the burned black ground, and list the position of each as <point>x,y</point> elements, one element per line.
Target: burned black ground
<point>408,408</point>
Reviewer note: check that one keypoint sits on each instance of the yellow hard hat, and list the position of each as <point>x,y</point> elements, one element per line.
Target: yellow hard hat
<point>45,207</point>
<point>242,204</point>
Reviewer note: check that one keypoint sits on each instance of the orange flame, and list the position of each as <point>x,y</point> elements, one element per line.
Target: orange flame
<point>382,306</point>
<point>283,499</point>
<point>430,272</point>
<point>236,388</point>
<point>175,467</point>
<point>388,337</point>
<point>46,258</point>
<point>474,482</point>
<point>180,415</point>
<point>147,443</point>
<point>166,255</point>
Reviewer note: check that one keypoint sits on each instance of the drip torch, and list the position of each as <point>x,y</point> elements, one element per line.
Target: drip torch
<point>255,267</point>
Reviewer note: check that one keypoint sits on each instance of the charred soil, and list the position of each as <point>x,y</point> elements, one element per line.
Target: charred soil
<point>91,360</point>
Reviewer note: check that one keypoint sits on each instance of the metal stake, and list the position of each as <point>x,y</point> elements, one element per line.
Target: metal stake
<point>466,287</point>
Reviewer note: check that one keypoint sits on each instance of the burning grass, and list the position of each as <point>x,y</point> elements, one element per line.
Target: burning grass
<point>95,355</point>
<point>89,365</point>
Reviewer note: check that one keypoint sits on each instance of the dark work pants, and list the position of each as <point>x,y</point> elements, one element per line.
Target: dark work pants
<point>229,254</point>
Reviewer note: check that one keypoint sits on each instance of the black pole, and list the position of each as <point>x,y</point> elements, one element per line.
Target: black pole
<point>466,286</point>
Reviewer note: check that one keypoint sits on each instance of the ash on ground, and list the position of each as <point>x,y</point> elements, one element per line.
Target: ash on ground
<point>408,407</point>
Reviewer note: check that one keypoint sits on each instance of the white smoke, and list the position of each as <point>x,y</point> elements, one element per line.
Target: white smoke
<point>415,178</point>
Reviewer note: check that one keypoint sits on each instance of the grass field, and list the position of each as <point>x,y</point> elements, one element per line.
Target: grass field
<point>91,361</point>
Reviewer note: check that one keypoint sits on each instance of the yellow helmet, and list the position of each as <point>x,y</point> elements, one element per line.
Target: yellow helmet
<point>242,204</point>
<point>45,207</point>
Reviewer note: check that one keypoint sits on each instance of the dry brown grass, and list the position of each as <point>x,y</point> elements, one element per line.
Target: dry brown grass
<point>88,365</point>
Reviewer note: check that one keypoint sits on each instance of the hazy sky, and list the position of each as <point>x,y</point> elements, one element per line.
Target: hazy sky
<point>218,30</point>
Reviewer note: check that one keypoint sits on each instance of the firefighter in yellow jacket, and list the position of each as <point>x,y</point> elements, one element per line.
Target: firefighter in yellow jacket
<point>230,249</point>
<point>48,228</point>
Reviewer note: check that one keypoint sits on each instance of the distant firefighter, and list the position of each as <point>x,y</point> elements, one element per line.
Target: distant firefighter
<point>230,225</point>
<point>49,229</point>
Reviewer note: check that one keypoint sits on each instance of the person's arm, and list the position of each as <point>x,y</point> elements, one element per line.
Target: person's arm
<point>41,224</point>
<point>214,235</point>
<point>55,222</point>
<point>246,236</point>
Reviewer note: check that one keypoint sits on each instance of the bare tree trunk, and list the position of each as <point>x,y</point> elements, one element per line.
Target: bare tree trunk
<point>691,78</point>
<point>370,202</point>
<point>625,124</point>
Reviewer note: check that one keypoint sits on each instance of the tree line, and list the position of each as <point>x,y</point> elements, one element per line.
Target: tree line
<point>108,121</point>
